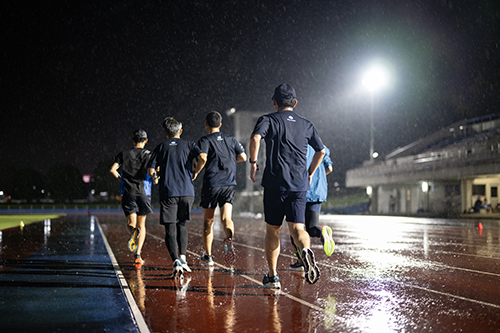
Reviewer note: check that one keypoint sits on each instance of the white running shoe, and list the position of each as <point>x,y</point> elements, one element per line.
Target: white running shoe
<point>184,263</point>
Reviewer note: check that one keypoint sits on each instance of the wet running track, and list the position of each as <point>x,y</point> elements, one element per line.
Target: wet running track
<point>387,274</point>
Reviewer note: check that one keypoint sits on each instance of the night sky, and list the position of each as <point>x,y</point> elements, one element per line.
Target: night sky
<point>79,76</point>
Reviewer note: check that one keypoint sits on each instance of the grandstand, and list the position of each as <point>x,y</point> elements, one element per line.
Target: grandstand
<point>441,174</point>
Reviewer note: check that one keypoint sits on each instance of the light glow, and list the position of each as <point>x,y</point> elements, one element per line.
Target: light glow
<point>375,78</point>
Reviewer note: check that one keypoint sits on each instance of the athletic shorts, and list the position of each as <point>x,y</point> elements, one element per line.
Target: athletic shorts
<point>136,204</point>
<point>220,195</point>
<point>175,209</point>
<point>314,206</point>
<point>280,204</point>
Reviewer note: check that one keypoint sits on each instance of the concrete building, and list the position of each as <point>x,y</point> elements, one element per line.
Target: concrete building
<point>441,174</point>
<point>249,195</point>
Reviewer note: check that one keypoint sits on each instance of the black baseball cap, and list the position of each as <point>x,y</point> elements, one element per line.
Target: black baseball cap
<point>283,92</point>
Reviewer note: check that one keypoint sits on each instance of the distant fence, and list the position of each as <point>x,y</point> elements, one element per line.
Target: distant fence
<point>361,208</point>
<point>70,209</point>
<point>57,208</point>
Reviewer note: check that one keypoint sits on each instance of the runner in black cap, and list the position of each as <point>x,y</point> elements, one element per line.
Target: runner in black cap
<point>286,178</point>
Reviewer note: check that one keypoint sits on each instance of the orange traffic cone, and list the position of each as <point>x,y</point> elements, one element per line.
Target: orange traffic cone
<point>480,226</point>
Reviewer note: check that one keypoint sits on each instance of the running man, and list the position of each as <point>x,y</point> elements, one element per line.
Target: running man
<point>174,159</point>
<point>286,178</point>
<point>222,152</point>
<point>135,190</point>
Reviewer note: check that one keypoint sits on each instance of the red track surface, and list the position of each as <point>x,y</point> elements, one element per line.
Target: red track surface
<point>386,274</point>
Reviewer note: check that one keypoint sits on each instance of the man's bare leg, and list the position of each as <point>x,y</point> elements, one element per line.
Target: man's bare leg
<point>272,247</point>
<point>141,225</point>
<point>131,222</point>
<point>208,225</point>
<point>299,234</point>
<point>226,213</point>
<point>302,240</point>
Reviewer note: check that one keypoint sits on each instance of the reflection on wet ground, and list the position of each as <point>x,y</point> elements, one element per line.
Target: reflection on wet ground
<point>56,276</point>
<point>386,274</point>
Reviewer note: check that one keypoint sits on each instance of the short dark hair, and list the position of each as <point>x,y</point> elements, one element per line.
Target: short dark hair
<point>286,102</point>
<point>284,95</point>
<point>214,119</point>
<point>171,126</point>
<point>140,135</point>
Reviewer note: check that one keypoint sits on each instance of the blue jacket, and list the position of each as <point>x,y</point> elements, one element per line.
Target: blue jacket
<point>319,185</point>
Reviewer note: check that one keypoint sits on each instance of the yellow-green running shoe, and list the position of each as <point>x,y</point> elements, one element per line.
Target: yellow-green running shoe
<point>328,243</point>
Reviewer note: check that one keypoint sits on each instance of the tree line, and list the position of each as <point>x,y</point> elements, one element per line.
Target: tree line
<point>62,183</point>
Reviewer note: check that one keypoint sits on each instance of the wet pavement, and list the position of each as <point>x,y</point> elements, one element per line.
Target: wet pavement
<point>56,276</point>
<point>387,274</point>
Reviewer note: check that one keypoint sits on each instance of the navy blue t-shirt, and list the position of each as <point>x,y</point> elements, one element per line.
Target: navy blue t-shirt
<point>175,158</point>
<point>221,150</point>
<point>287,135</point>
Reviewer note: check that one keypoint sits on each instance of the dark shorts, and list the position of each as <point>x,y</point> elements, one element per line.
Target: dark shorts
<point>314,206</point>
<point>175,209</point>
<point>280,204</point>
<point>136,204</point>
<point>212,196</point>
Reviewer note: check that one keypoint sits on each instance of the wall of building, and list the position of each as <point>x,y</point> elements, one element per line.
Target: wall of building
<point>441,198</point>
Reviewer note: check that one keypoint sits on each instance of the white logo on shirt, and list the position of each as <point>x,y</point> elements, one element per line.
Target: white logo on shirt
<point>173,143</point>
<point>219,138</point>
<point>290,118</point>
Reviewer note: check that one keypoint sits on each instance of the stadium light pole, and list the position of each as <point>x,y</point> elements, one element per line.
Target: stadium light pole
<point>375,79</point>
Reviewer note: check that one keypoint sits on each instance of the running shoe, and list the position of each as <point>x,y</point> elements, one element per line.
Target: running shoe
<point>178,272</point>
<point>298,265</point>
<point>272,282</point>
<point>328,243</point>
<point>184,263</point>
<point>138,262</point>
<point>229,255</point>
<point>206,260</point>
<point>310,267</point>
<point>132,243</point>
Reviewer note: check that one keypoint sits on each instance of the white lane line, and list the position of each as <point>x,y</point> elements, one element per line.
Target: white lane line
<point>466,269</point>
<point>449,295</point>
<point>397,282</point>
<point>136,312</point>
<point>278,292</point>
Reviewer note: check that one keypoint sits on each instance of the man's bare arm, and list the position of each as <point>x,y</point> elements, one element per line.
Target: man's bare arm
<point>200,163</point>
<point>241,157</point>
<point>254,152</point>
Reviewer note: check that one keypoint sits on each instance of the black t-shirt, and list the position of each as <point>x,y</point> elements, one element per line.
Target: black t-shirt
<point>287,135</point>
<point>175,158</point>
<point>221,150</point>
<point>133,164</point>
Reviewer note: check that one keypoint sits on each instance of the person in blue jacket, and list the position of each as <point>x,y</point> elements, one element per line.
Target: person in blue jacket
<point>315,196</point>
